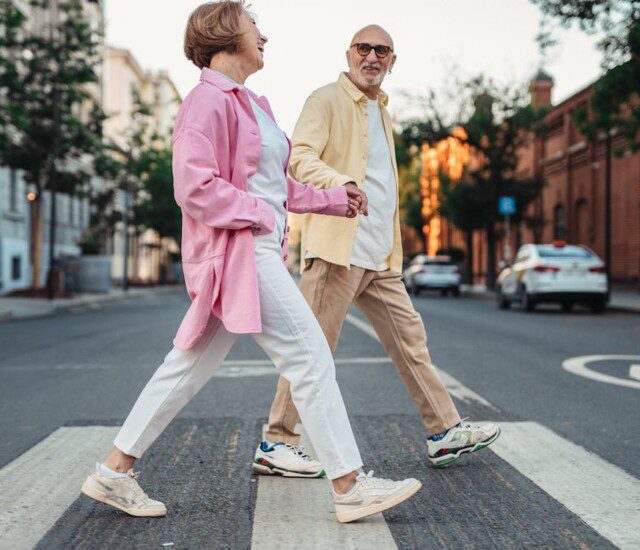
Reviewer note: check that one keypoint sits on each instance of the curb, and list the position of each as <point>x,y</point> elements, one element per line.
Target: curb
<point>94,300</point>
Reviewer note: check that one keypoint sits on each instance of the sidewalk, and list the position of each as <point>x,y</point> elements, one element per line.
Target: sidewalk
<point>622,299</point>
<point>28,308</point>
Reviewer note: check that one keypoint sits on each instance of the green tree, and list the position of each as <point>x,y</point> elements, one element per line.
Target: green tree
<point>502,123</point>
<point>409,170</point>
<point>157,208</point>
<point>49,122</point>
<point>614,102</point>
<point>498,122</point>
<point>138,168</point>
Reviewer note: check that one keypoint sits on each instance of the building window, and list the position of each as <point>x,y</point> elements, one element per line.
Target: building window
<point>581,232</point>
<point>16,268</point>
<point>559,223</point>
<point>13,190</point>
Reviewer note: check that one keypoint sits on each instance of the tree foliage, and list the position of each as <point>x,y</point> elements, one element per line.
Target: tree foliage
<point>614,103</point>
<point>498,122</point>
<point>48,118</point>
<point>157,208</point>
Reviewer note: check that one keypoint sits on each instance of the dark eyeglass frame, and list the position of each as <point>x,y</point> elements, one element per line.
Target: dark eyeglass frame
<point>381,50</point>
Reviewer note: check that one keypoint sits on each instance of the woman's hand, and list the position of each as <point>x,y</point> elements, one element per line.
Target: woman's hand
<point>358,202</point>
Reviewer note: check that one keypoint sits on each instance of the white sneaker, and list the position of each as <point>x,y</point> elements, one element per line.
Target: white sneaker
<point>372,495</point>
<point>285,460</point>
<point>123,493</point>
<point>464,438</point>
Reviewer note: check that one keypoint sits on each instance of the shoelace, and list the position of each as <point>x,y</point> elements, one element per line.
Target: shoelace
<point>135,487</point>
<point>299,450</point>
<point>464,423</point>
<point>368,478</point>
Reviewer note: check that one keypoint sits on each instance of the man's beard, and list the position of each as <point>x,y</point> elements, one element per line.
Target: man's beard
<point>371,81</point>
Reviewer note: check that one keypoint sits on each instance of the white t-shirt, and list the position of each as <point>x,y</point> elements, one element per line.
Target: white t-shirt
<point>374,236</point>
<point>269,183</point>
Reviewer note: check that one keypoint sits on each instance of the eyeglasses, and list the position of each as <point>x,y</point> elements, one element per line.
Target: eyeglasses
<point>364,49</point>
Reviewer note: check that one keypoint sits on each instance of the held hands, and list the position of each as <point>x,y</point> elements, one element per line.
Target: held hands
<point>358,202</point>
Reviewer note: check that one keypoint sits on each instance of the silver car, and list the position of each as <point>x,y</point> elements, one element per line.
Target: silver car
<point>432,272</point>
<point>560,273</point>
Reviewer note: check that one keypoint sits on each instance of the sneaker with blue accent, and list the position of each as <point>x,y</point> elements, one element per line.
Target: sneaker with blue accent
<point>466,437</point>
<point>282,459</point>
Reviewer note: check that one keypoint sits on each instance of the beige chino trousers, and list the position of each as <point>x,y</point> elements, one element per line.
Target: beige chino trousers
<point>330,289</point>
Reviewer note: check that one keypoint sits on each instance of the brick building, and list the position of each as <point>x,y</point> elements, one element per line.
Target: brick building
<point>572,204</point>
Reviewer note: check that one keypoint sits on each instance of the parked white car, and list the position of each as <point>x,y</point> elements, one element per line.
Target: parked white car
<point>432,272</point>
<point>557,273</point>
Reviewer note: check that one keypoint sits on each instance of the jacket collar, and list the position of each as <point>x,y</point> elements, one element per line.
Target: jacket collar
<point>356,94</point>
<point>212,77</point>
<point>225,84</point>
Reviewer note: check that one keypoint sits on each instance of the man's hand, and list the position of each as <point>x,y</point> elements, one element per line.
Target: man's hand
<point>358,202</point>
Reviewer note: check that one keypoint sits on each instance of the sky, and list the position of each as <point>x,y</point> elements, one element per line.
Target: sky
<point>308,39</point>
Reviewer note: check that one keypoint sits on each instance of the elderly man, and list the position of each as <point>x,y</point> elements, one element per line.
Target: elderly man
<point>344,136</point>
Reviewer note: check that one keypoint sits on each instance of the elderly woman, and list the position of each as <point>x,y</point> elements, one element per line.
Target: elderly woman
<point>230,176</point>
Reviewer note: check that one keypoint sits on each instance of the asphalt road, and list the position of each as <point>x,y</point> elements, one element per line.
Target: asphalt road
<point>85,369</point>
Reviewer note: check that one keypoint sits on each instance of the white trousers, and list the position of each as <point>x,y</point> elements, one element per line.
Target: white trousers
<point>291,337</point>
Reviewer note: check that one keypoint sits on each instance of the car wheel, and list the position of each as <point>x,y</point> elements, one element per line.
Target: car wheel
<point>503,302</point>
<point>528,303</point>
<point>599,305</point>
<point>444,292</point>
<point>567,306</point>
<point>456,291</point>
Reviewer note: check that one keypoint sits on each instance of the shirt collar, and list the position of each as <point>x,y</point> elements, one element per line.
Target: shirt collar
<point>356,94</point>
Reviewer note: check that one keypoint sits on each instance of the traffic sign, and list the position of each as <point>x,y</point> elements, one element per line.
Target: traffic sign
<point>507,205</point>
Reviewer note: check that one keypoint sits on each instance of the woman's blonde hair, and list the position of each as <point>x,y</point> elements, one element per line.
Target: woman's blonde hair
<point>213,27</point>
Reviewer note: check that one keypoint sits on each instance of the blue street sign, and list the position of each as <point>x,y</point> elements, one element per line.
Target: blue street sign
<point>507,205</point>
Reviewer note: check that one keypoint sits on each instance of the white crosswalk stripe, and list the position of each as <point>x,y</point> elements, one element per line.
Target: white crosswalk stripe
<point>300,512</point>
<point>605,497</point>
<point>38,486</point>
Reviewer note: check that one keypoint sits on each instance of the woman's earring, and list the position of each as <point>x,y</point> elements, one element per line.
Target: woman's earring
<point>389,71</point>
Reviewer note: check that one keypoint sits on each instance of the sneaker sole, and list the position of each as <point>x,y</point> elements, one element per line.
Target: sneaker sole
<point>442,461</point>
<point>101,497</point>
<point>348,517</point>
<point>274,471</point>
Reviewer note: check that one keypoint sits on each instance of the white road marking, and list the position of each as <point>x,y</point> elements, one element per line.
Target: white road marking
<point>38,486</point>
<point>300,512</point>
<point>453,385</point>
<point>578,366</point>
<point>601,494</point>
<point>239,368</point>
<point>634,372</point>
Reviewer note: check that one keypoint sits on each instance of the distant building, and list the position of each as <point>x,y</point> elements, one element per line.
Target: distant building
<point>72,213</point>
<point>149,255</point>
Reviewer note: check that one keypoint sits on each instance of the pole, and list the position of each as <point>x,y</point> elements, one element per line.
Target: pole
<point>125,242</point>
<point>51,172</point>
<point>507,244</point>
<point>607,209</point>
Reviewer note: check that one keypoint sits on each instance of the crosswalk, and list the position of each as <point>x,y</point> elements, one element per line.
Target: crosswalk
<point>39,486</point>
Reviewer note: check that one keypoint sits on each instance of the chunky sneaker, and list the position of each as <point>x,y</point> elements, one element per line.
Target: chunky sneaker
<point>123,493</point>
<point>285,460</point>
<point>371,495</point>
<point>463,438</point>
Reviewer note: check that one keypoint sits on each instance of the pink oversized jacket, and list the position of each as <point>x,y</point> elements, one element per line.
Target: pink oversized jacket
<point>216,149</point>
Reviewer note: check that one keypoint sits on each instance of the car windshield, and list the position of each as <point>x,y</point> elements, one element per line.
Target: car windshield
<point>550,251</point>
